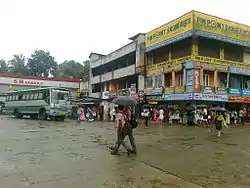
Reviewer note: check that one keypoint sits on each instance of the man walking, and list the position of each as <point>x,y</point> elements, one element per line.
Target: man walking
<point>121,131</point>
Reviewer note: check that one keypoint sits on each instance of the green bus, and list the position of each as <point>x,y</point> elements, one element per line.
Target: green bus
<point>39,103</point>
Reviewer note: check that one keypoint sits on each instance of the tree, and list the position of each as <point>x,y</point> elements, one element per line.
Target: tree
<point>42,63</point>
<point>3,66</point>
<point>85,75</point>
<point>72,69</point>
<point>17,65</point>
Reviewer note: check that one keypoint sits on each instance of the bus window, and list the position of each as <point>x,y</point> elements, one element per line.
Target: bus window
<point>15,97</point>
<point>24,97</point>
<point>20,97</point>
<point>35,96</point>
<point>31,96</point>
<point>40,96</point>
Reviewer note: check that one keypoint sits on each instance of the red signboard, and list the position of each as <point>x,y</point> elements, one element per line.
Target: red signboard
<point>239,99</point>
<point>27,82</point>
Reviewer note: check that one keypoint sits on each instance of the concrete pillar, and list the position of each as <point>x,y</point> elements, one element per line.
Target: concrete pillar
<point>163,79</point>
<point>173,79</point>
<point>184,77</point>
<point>216,78</point>
<point>201,76</point>
<point>228,80</point>
<point>105,87</point>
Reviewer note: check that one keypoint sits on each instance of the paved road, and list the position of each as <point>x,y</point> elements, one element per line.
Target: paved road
<point>46,154</point>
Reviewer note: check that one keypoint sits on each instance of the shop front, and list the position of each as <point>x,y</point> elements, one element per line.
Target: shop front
<point>153,96</point>
<point>238,103</point>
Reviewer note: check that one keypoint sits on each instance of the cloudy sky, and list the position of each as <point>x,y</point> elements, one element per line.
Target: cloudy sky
<point>72,29</point>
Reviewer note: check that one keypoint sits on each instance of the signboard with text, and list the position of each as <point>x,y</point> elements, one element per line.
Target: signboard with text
<point>239,99</point>
<point>234,91</point>
<point>178,97</point>
<point>210,97</point>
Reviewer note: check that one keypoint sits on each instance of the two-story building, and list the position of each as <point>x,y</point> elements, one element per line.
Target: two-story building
<point>200,59</point>
<point>118,73</point>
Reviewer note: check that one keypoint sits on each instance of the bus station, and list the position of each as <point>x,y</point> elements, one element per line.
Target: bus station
<point>10,83</point>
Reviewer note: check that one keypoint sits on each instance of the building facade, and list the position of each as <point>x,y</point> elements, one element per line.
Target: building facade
<point>16,82</point>
<point>198,59</point>
<point>118,73</point>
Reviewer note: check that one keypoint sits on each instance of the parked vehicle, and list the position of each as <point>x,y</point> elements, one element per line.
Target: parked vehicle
<point>41,103</point>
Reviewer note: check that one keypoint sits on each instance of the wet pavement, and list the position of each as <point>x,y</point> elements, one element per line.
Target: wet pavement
<point>46,154</point>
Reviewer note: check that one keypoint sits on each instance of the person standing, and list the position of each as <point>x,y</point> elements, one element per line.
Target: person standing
<point>219,121</point>
<point>128,116</point>
<point>146,114</point>
<point>241,118</point>
<point>121,131</point>
<point>80,113</point>
<point>161,115</point>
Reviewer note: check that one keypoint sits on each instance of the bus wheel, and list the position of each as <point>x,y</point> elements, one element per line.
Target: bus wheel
<point>42,114</point>
<point>17,114</point>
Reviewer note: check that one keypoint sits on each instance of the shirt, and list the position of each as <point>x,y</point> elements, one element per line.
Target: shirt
<point>120,117</point>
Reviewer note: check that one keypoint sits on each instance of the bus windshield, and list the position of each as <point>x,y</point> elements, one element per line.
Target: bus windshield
<point>59,95</point>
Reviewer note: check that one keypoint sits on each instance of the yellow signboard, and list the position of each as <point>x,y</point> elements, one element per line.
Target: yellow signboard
<point>227,30</point>
<point>168,63</point>
<point>170,30</point>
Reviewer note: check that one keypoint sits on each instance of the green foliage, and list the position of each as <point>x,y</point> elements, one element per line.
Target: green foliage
<point>17,65</point>
<point>73,69</point>
<point>42,63</point>
<point>3,66</point>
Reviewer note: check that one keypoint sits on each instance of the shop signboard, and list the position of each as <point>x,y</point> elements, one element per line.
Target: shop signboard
<point>178,97</point>
<point>239,99</point>
<point>168,90</point>
<point>196,80</point>
<point>179,89</point>
<point>123,92</point>
<point>154,91</point>
<point>208,89</point>
<point>171,68</point>
<point>221,90</point>
<point>154,98</point>
<point>212,67</point>
<point>189,65</point>
<point>170,32</point>
<point>132,88</point>
<point>141,95</point>
<point>210,97</point>
<point>190,77</point>
<point>245,92</point>
<point>237,70</point>
<point>234,91</point>
<point>221,29</point>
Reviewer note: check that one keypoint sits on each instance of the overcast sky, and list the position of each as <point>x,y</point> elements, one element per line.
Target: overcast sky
<point>72,29</point>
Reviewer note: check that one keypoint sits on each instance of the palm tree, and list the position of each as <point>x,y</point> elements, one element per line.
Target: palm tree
<point>17,65</point>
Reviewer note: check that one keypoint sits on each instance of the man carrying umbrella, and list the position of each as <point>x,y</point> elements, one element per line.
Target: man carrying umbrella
<point>124,127</point>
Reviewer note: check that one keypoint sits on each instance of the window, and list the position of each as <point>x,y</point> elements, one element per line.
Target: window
<point>40,96</point>
<point>35,96</point>
<point>15,97</point>
<point>179,81</point>
<point>157,81</point>
<point>24,97</point>
<point>205,80</point>
<point>149,81</point>
<point>150,58</point>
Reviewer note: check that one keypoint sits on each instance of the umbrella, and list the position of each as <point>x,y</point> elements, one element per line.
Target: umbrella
<point>125,101</point>
<point>201,106</point>
<point>217,109</point>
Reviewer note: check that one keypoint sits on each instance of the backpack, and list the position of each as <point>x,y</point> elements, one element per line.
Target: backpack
<point>133,121</point>
<point>130,123</point>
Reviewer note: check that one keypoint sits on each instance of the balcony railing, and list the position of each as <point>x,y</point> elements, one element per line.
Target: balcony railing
<point>107,76</point>
<point>123,72</point>
<point>96,79</point>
